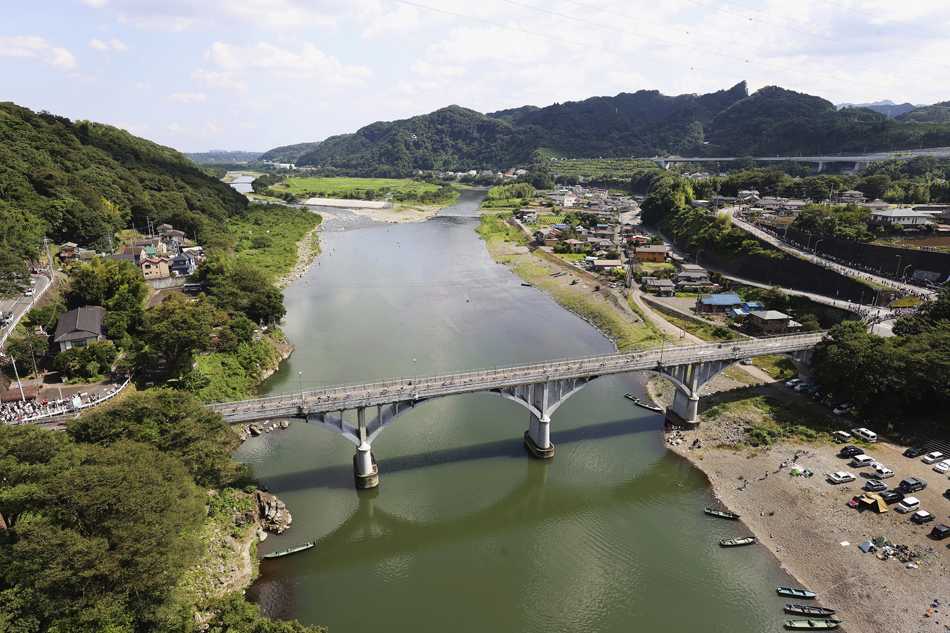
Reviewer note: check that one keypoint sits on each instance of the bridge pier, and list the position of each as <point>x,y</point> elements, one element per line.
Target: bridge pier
<point>537,439</point>
<point>364,464</point>
<point>685,409</point>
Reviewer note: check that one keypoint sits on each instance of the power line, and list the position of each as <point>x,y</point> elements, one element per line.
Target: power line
<point>759,48</point>
<point>877,17</point>
<point>710,52</point>
<point>827,28</point>
<point>830,39</point>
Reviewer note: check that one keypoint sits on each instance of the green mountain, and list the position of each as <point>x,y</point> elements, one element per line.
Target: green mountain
<point>936,113</point>
<point>222,157</point>
<point>288,153</point>
<point>75,181</point>
<point>772,121</point>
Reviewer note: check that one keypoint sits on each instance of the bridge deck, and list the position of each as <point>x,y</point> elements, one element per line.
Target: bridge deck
<point>384,393</point>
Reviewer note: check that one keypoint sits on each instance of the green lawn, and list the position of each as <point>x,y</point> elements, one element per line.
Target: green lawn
<point>381,185</point>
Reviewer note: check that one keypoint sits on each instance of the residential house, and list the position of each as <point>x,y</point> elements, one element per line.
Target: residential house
<point>718,303</point>
<point>163,229</point>
<point>791,208</point>
<point>852,196</point>
<point>68,250</point>
<point>182,264</point>
<point>547,237</point>
<point>771,323</point>
<point>158,246</point>
<point>907,218</point>
<point>691,279</point>
<point>137,254</point>
<point>603,265</point>
<point>651,253</point>
<point>155,268</point>
<point>79,327</point>
<point>876,205</point>
<point>175,236</point>
<point>663,287</point>
<point>576,246</point>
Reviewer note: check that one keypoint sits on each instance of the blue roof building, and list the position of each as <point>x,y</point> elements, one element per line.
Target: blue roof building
<point>719,303</point>
<point>749,306</point>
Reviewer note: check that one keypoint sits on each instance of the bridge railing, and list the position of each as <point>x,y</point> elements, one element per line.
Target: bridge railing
<point>387,391</point>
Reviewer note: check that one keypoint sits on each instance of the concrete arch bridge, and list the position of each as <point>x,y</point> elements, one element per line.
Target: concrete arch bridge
<point>539,387</point>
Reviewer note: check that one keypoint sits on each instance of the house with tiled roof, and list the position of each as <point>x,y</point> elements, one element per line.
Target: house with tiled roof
<point>79,327</point>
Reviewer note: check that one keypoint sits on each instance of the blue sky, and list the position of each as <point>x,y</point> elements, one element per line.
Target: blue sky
<point>255,74</point>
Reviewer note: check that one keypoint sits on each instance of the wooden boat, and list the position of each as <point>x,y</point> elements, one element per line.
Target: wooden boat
<point>290,550</point>
<point>795,593</point>
<point>735,542</point>
<point>815,612</point>
<point>812,625</point>
<point>640,403</point>
<point>721,513</point>
<point>526,284</point>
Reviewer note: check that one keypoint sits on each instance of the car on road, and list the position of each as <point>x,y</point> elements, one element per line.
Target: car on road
<point>875,485</point>
<point>28,293</point>
<point>840,477</point>
<point>802,386</point>
<point>914,451</point>
<point>942,467</point>
<point>851,450</point>
<point>746,361</point>
<point>930,458</point>
<point>843,408</point>
<point>892,496</point>
<point>921,516</point>
<point>794,382</point>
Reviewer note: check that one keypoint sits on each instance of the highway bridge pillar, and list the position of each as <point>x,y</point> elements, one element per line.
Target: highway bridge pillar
<point>537,439</point>
<point>685,409</point>
<point>364,464</point>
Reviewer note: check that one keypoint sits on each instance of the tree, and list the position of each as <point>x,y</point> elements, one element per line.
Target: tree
<point>14,276</point>
<point>27,351</point>
<point>179,328</point>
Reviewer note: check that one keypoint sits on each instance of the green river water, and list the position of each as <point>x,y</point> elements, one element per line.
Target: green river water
<point>466,532</point>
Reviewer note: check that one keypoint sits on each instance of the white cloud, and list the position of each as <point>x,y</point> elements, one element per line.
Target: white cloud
<point>142,86</point>
<point>174,128</point>
<point>99,45</point>
<point>119,46</point>
<point>309,64</point>
<point>133,129</point>
<point>81,77</point>
<point>221,81</point>
<point>187,97</point>
<point>33,46</point>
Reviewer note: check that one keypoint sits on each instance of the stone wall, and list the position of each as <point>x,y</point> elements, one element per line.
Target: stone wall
<point>166,282</point>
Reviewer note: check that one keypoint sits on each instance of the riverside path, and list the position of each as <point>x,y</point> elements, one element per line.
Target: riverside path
<point>539,387</point>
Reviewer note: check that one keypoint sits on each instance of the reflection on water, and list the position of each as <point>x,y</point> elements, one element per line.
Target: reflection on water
<point>465,530</point>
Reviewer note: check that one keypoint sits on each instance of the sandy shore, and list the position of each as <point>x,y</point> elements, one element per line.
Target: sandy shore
<point>399,214</point>
<point>804,521</point>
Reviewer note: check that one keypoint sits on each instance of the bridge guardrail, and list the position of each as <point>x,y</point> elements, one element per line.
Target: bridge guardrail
<point>335,398</point>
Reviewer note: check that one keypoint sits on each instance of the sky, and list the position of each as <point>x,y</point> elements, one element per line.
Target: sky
<point>198,75</point>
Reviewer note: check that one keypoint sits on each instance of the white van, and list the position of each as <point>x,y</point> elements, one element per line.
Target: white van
<point>860,461</point>
<point>864,434</point>
<point>908,504</point>
<point>841,437</point>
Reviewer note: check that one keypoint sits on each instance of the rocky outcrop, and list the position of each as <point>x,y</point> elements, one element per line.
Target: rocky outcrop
<point>272,512</point>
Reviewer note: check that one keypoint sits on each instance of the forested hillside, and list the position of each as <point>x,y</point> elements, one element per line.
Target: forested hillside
<point>77,180</point>
<point>289,153</point>
<point>218,158</point>
<point>773,121</point>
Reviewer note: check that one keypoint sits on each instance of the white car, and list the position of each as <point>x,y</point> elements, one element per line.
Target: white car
<point>932,457</point>
<point>840,477</point>
<point>793,382</point>
<point>843,408</point>
<point>942,467</point>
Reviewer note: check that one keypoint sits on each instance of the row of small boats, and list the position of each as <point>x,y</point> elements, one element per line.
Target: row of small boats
<point>812,613</point>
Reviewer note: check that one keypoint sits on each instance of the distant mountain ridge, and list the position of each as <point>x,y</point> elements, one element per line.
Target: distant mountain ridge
<point>887,107</point>
<point>222,156</point>
<point>772,121</point>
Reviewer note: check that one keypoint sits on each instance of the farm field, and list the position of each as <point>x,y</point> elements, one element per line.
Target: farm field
<point>342,185</point>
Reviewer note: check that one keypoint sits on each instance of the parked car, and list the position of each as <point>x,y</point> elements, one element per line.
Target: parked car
<point>843,408</point>
<point>914,451</point>
<point>802,386</point>
<point>883,472</point>
<point>913,484</point>
<point>851,450</point>
<point>892,496</point>
<point>28,293</point>
<point>817,395</point>
<point>875,485</point>
<point>840,477</point>
<point>942,467</point>
<point>922,516</point>
<point>794,382</point>
<point>930,458</point>
<point>860,461</point>
<point>908,504</point>
<point>940,532</point>
<point>841,437</point>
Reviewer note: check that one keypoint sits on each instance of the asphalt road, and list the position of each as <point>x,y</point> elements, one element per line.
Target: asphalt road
<point>20,303</point>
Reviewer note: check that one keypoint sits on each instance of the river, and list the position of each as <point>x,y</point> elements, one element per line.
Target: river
<point>466,532</point>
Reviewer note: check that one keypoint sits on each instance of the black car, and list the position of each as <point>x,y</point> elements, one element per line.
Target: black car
<point>914,451</point>
<point>892,496</point>
<point>921,516</point>
<point>851,450</point>
<point>913,484</point>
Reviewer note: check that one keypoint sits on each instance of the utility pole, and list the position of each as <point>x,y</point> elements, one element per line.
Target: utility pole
<point>18,383</point>
<point>111,247</point>
<point>49,257</point>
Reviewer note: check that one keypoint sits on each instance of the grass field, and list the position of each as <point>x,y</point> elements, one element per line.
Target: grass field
<point>381,185</point>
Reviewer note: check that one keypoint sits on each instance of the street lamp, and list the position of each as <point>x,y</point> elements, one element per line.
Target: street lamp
<point>904,274</point>
<point>898,264</point>
<point>413,371</point>
<point>300,376</point>
<point>816,245</point>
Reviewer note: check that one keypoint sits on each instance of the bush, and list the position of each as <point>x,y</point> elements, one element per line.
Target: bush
<point>86,363</point>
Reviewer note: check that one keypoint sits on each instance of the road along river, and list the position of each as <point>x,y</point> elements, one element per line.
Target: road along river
<point>466,532</point>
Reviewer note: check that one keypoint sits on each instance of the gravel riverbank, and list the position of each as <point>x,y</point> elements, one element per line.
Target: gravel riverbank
<point>804,523</point>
